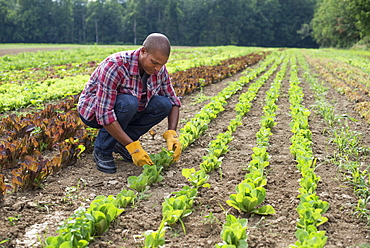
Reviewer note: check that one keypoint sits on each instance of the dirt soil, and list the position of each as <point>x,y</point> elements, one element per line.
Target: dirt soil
<point>40,212</point>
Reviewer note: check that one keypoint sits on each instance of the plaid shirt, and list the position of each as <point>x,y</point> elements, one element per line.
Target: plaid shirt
<point>119,74</point>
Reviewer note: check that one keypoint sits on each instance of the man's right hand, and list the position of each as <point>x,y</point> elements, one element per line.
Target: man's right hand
<point>139,156</point>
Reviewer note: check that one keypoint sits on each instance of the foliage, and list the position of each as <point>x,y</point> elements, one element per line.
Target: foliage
<point>155,238</point>
<point>234,233</point>
<point>186,22</point>
<point>310,208</point>
<point>78,230</point>
<point>247,197</point>
<point>333,25</point>
<point>196,178</point>
<point>359,11</point>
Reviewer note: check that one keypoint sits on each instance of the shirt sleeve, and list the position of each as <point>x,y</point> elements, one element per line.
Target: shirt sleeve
<point>167,88</point>
<point>107,82</point>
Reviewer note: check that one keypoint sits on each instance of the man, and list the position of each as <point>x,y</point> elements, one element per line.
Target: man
<point>126,95</point>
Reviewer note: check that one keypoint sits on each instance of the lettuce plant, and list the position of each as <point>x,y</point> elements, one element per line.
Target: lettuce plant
<point>310,238</point>
<point>78,230</point>
<point>163,158</point>
<point>247,197</point>
<point>155,239</point>
<point>309,216</point>
<point>103,212</point>
<point>150,175</point>
<point>125,197</point>
<point>210,163</point>
<point>234,233</point>
<point>175,208</point>
<point>138,183</point>
<point>196,178</point>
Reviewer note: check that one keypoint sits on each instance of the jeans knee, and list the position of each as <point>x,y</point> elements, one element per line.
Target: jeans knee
<point>160,105</point>
<point>126,103</point>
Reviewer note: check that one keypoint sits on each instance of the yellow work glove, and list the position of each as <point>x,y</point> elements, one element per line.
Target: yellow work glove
<point>139,156</point>
<point>173,143</point>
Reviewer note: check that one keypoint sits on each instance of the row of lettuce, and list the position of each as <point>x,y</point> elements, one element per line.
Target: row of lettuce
<point>349,148</point>
<point>348,73</point>
<point>310,208</point>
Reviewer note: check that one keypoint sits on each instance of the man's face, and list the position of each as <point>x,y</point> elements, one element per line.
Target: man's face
<point>151,62</point>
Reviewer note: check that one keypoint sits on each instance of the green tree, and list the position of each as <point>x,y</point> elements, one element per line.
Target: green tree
<point>256,22</point>
<point>104,21</point>
<point>193,24</point>
<point>34,20</point>
<point>333,26</point>
<point>293,24</point>
<point>8,20</point>
<point>223,18</point>
<point>79,21</point>
<point>360,12</point>
<point>112,26</point>
<point>169,22</point>
<point>185,22</point>
<point>61,18</point>
<point>135,20</point>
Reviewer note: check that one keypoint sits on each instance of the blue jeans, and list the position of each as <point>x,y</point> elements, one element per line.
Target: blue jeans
<point>134,123</point>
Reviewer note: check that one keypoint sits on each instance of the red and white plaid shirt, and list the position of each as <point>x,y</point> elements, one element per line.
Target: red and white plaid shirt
<point>119,74</point>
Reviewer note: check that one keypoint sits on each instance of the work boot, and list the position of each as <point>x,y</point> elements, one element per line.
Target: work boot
<point>119,148</point>
<point>104,163</point>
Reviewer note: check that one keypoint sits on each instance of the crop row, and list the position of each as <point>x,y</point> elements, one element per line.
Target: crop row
<point>310,208</point>
<point>24,139</point>
<point>351,76</point>
<point>347,142</point>
<point>69,63</point>
<point>341,86</point>
<point>180,205</point>
<point>146,178</point>
<point>359,59</point>
<point>45,59</point>
<point>35,75</point>
<point>250,193</point>
<point>347,80</point>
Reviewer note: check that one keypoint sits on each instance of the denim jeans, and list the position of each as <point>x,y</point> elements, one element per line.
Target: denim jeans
<point>134,123</point>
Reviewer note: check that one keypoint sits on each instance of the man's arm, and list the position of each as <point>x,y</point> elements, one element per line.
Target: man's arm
<point>117,132</point>
<point>139,155</point>
<point>173,118</point>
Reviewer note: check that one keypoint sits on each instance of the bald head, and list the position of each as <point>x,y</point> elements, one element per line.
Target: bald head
<point>157,42</point>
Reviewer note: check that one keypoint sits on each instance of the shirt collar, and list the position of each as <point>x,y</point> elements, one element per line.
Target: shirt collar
<point>134,65</point>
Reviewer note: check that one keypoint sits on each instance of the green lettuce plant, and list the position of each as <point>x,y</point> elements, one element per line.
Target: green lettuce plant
<point>248,197</point>
<point>155,239</point>
<point>234,233</point>
<point>196,178</point>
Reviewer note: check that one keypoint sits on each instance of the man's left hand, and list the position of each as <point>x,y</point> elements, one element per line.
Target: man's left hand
<point>173,143</point>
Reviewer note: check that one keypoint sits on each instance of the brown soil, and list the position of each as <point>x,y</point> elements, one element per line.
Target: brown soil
<point>41,211</point>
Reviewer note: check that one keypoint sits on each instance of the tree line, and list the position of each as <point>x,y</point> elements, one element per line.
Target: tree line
<point>270,23</point>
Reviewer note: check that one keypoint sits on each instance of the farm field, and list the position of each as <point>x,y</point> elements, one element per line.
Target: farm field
<point>301,115</point>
